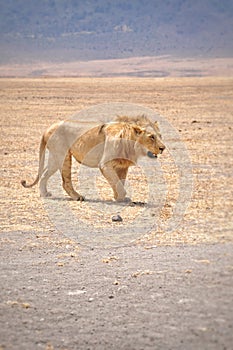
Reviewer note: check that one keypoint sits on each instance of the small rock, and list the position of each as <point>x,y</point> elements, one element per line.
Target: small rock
<point>117,218</point>
<point>109,259</point>
<point>26,305</point>
<point>76,292</point>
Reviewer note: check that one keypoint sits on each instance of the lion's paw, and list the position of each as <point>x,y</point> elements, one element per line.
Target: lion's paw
<point>46,195</point>
<point>80,198</point>
<point>123,200</point>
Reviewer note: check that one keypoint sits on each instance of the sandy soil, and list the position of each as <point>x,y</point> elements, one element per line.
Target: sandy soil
<point>56,293</point>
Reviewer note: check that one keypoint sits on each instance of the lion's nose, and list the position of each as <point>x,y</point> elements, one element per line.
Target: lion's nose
<point>161,148</point>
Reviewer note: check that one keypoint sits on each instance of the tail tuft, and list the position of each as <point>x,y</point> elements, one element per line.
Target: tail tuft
<point>23,183</point>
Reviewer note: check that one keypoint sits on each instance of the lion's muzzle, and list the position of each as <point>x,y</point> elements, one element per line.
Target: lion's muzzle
<point>151,155</point>
<point>154,155</point>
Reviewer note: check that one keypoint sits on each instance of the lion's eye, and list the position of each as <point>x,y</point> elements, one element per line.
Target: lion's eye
<point>152,137</point>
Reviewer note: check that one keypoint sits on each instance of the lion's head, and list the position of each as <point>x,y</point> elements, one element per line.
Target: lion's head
<point>126,141</point>
<point>151,142</point>
<point>148,134</point>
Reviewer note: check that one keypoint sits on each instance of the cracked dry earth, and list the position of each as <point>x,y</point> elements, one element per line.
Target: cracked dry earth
<point>83,282</point>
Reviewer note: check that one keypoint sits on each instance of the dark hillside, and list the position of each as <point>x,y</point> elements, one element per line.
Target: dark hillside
<point>61,30</point>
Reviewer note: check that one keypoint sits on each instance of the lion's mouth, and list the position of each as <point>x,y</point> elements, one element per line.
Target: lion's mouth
<point>151,155</point>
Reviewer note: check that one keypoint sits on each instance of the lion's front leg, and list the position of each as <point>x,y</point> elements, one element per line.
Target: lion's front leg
<point>66,178</point>
<point>116,182</point>
<point>122,174</point>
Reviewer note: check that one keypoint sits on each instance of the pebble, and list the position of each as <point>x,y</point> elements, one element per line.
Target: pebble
<point>117,218</point>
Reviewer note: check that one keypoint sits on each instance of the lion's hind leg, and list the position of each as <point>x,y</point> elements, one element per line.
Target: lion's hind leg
<point>51,168</point>
<point>66,178</point>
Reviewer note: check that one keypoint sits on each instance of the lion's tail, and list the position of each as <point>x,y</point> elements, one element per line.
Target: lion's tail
<point>41,164</point>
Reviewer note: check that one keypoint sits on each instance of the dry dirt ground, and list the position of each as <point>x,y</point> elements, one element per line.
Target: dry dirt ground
<point>168,289</point>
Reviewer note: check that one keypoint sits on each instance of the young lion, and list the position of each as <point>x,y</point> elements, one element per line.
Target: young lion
<point>112,147</point>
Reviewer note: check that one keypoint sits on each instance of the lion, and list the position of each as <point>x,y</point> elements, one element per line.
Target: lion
<point>112,147</point>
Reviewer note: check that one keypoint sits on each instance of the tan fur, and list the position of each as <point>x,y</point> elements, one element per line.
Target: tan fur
<point>112,147</point>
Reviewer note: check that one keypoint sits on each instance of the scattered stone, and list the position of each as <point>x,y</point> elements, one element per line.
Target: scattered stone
<point>17,303</point>
<point>141,273</point>
<point>117,218</point>
<point>203,261</point>
<point>26,305</point>
<point>109,259</point>
<point>76,292</point>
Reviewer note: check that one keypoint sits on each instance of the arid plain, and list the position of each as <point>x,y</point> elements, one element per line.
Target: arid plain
<point>200,109</point>
<point>167,290</point>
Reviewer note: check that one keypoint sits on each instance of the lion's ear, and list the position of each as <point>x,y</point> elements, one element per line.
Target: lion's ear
<point>137,129</point>
<point>101,127</point>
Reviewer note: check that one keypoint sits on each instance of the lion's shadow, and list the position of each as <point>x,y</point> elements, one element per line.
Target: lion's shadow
<point>101,201</point>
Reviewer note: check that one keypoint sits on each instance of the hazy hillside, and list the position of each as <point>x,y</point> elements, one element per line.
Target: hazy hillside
<point>67,30</point>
